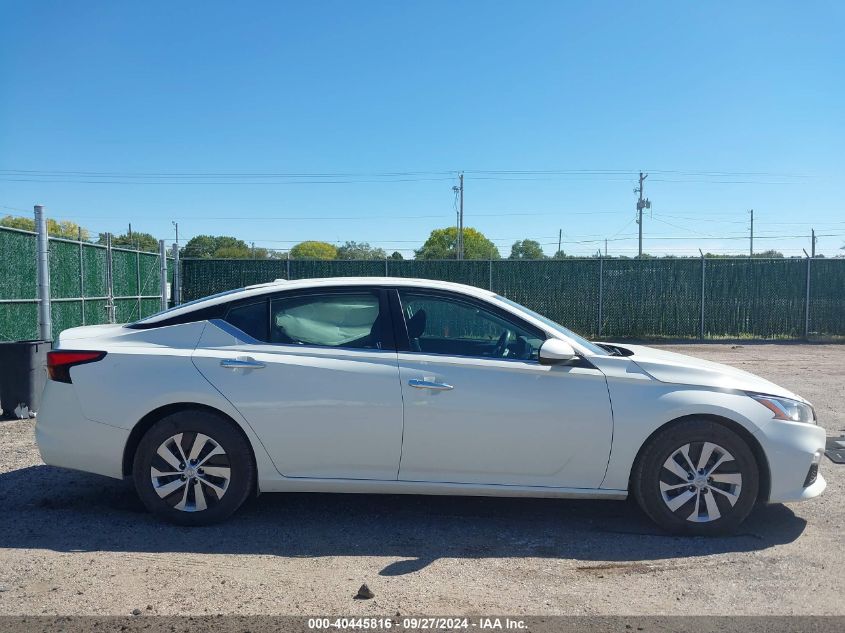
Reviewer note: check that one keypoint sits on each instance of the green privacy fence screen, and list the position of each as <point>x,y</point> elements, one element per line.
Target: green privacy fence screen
<point>610,298</point>
<point>607,298</point>
<point>78,284</point>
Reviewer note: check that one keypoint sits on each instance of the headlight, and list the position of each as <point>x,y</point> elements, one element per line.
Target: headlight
<point>786,409</point>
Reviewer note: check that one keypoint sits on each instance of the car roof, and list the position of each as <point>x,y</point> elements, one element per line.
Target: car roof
<point>303,284</point>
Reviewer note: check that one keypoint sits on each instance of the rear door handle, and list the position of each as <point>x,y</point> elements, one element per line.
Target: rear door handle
<point>427,384</point>
<point>241,363</point>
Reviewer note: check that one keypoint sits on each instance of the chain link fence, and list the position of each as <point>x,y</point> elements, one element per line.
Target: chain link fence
<point>607,298</point>
<point>80,293</point>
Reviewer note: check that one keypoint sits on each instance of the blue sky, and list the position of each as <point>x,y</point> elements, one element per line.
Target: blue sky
<point>728,106</point>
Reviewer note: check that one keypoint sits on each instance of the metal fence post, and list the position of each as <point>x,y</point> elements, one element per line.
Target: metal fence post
<point>807,301</point>
<point>287,266</point>
<point>490,274</point>
<point>81,274</point>
<point>138,279</point>
<point>176,292</point>
<point>162,255</point>
<point>601,294</point>
<point>385,267</point>
<point>45,318</point>
<point>701,327</point>
<point>109,280</point>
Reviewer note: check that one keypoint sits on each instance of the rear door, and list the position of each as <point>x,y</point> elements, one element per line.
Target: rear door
<point>315,374</point>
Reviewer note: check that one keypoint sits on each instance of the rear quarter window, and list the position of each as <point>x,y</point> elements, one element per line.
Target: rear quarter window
<point>252,319</point>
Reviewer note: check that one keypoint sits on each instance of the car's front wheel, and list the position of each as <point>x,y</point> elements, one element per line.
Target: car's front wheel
<point>696,477</point>
<point>193,468</point>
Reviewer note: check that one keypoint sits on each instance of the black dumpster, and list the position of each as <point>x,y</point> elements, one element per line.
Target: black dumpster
<point>23,372</point>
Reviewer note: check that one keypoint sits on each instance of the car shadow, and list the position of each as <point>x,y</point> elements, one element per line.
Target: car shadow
<point>42,507</point>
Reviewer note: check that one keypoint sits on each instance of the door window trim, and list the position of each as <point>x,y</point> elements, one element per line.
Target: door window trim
<point>403,341</point>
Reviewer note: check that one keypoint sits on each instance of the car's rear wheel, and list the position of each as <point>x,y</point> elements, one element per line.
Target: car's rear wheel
<point>193,468</point>
<point>697,477</point>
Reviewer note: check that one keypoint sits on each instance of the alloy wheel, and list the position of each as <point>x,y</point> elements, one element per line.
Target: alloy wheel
<point>190,472</point>
<point>700,482</point>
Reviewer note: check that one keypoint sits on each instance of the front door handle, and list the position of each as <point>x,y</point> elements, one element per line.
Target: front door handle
<point>241,363</point>
<point>428,384</point>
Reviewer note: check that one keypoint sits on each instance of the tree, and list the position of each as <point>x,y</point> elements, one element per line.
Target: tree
<point>139,241</point>
<point>221,246</point>
<point>769,254</point>
<point>313,250</point>
<point>527,249</point>
<point>360,250</point>
<point>200,246</point>
<point>57,228</point>
<point>442,244</point>
<point>560,255</point>
<point>396,255</point>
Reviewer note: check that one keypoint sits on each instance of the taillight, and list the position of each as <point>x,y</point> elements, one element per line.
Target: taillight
<point>60,361</point>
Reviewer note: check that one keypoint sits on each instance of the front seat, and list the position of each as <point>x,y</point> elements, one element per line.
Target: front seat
<point>416,327</point>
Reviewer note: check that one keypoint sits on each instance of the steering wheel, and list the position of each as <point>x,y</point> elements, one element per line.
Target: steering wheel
<point>502,344</point>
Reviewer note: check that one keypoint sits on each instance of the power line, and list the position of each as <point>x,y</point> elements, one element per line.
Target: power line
<point>452,172</point>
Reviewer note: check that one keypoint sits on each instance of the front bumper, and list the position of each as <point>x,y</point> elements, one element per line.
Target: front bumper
<point>791,449</point>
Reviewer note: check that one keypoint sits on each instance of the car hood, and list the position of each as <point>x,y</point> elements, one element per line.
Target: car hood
<point>686,370</point>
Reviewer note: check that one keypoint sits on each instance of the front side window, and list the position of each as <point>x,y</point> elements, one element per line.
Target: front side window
<point>442,325</point>
<point>330,320</point>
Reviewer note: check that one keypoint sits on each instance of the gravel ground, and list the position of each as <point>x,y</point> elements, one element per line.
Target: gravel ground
<point>72,543</point>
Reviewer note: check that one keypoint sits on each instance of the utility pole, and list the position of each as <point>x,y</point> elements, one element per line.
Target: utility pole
<point>459,192</point>
<point>642,203</point>
<point>605,247</point>
<point>559,238</point>
<point>130,234</point>
<point>813,243</point>
<point>751,247</point>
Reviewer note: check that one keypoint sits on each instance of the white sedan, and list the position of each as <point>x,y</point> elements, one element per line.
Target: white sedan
<point>388,385</point>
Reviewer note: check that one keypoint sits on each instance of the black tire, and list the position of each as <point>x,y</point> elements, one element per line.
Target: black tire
<point>732,502</point>
<point>208,505</point>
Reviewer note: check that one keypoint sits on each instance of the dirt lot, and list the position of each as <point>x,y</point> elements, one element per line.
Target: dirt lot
<point>71,543</point>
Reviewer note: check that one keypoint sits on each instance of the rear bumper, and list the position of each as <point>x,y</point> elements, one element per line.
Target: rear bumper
<point>791,449</point>
<point>68,439</point>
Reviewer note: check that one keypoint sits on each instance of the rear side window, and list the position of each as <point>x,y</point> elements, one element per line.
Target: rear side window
<point>250,319</point>
<point>331,320</point>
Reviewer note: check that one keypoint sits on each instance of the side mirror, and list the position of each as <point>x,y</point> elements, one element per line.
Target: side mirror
<point>556,351</point>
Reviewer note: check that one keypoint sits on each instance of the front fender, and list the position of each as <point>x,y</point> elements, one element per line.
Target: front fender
<point>642,407</point>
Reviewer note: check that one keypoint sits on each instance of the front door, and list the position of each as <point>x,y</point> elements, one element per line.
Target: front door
<point>479,408</point>
<point>315,379</point>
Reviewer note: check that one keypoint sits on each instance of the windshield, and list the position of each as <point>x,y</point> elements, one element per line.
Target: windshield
<point>595,349</point>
